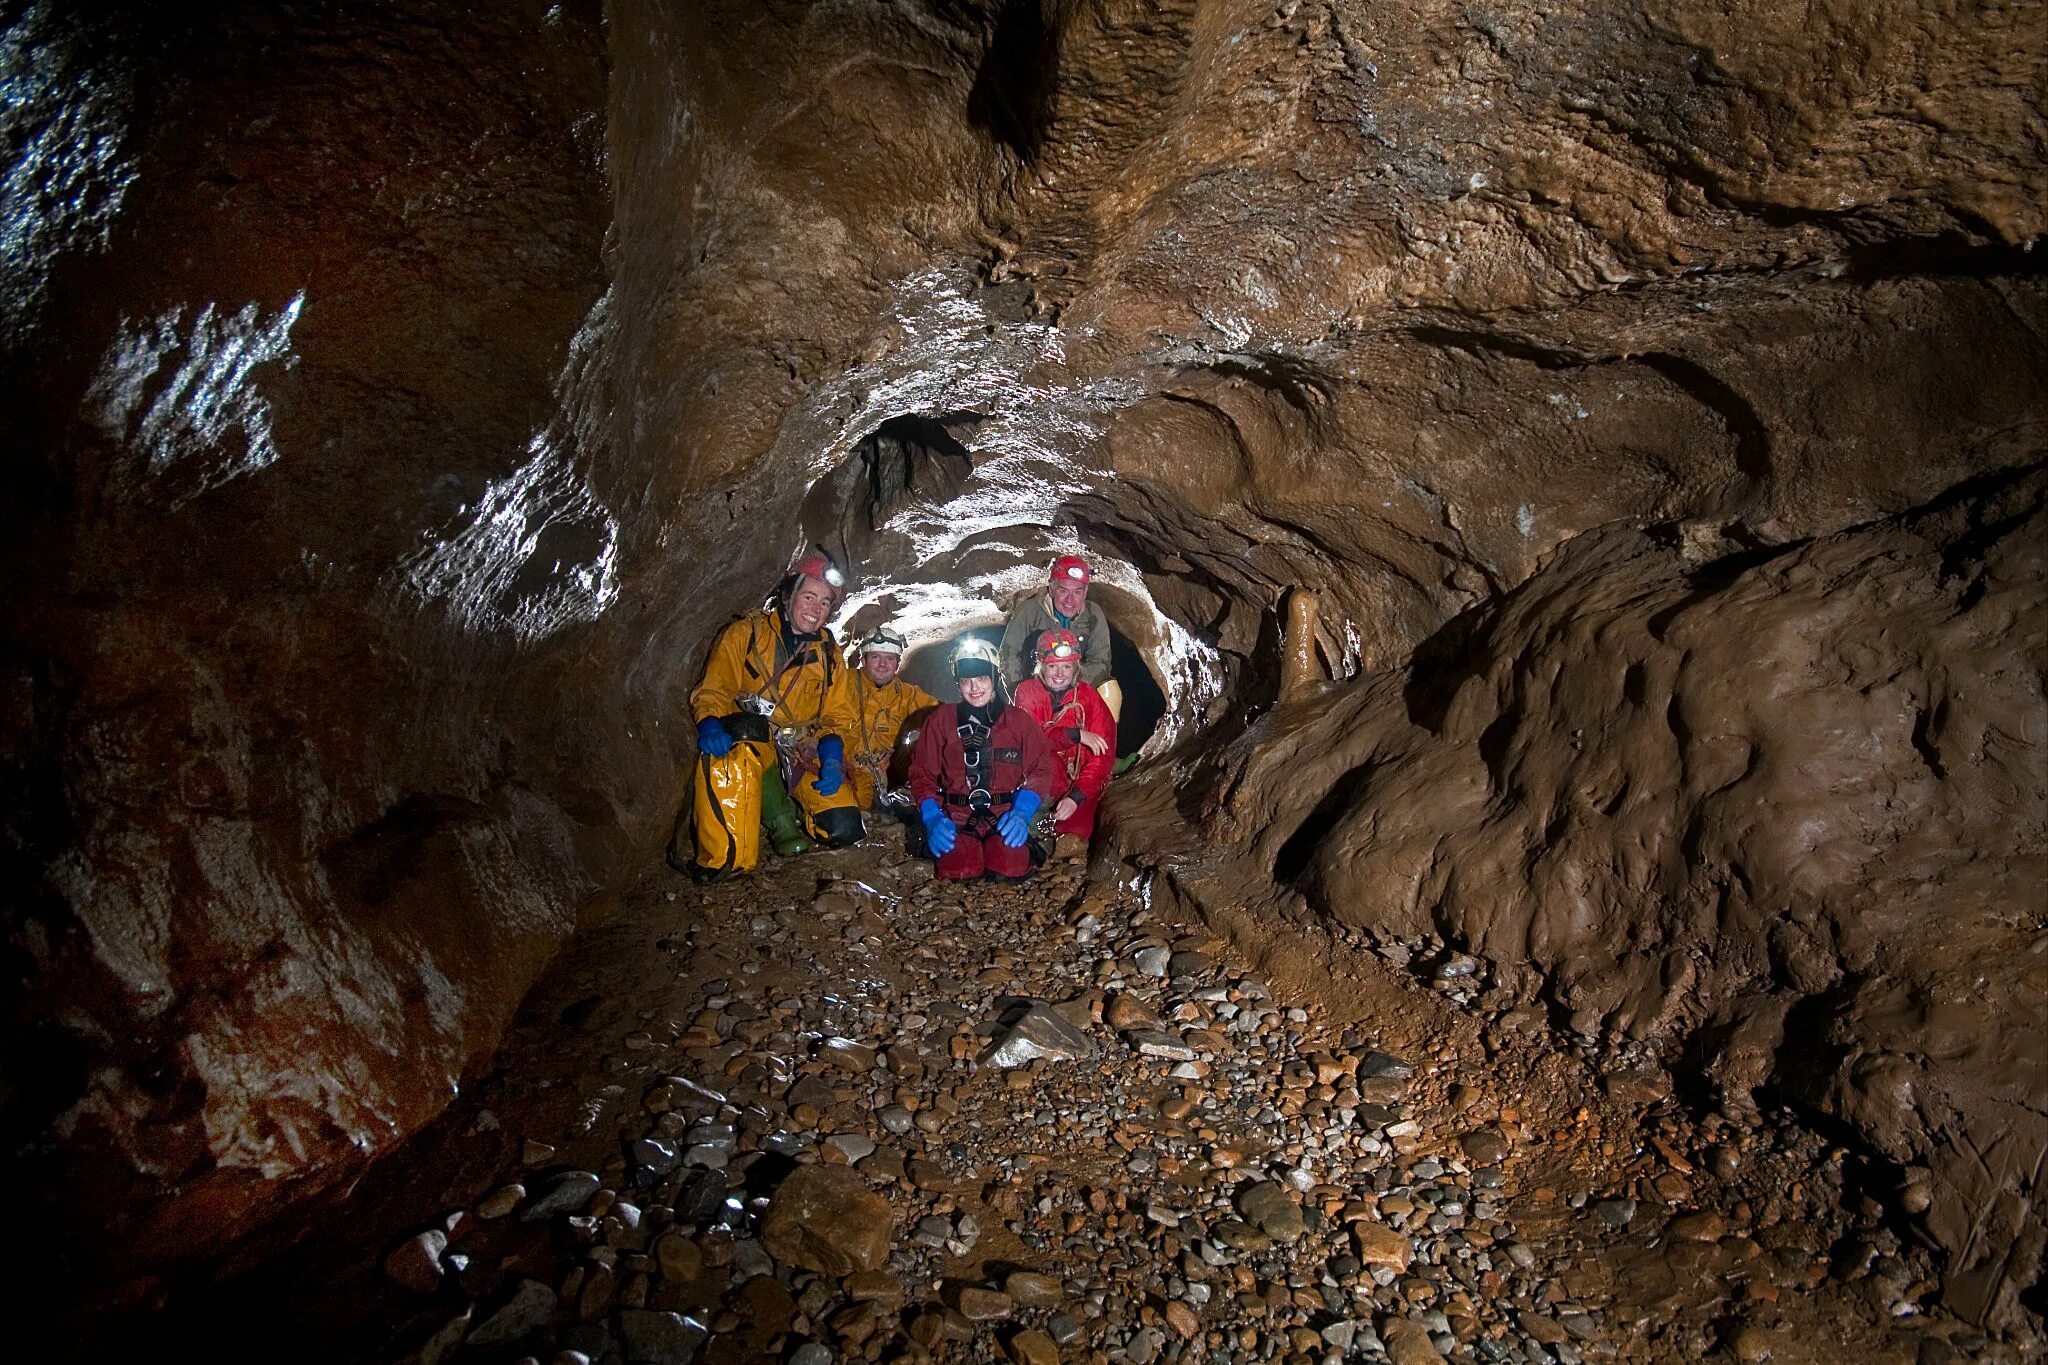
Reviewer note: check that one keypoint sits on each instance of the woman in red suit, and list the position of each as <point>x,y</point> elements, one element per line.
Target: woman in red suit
<point>980,772</point>
<point>1077,725</point>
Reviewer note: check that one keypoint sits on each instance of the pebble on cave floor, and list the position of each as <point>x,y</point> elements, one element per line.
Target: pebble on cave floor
<point>1046,1123</point>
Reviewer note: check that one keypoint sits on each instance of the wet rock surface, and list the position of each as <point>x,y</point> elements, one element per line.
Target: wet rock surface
<point>1750,845</point>
<point>1120,1208</point>
<point>407,394</point>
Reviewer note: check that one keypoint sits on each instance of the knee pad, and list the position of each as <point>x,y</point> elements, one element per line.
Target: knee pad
<point>840,826</point>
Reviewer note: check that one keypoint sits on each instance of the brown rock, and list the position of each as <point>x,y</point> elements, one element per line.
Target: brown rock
<point>501,1203</point>
<point>1407,1342</point>
<point>766,1308</point>
<point>1033,1290</point>
<point>1126,1012</point>
<point>1749,1343</point>
<point>680,1259</point>
<point>826,1219</point>
<point>940,1326</point>
<point>1697,1227</point>
<point>985,1305</point>
<point>1379,1244</point>
<point>855,1059</point>
<point>415,1264</point>
<point>1033,1347</point>
<point>1182,1319</point>
<point>875,1286</point>
<point>1486,1147</point>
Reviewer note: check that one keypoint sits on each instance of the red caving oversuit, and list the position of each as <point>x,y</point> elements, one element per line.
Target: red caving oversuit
<point>1019,758</point>
<point>1082,772</point>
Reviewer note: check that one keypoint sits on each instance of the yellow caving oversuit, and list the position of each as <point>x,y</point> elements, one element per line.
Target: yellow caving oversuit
<point>773,757</point>
<point>882,712</point>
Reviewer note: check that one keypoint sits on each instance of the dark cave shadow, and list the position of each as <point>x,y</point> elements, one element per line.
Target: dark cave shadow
<point>1292,862</point>
<point>1013,93</point>
<point>1445,662</point>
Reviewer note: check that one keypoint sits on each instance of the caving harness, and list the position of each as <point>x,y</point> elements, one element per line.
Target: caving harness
<point>751,721</point>
<point>975,725</point>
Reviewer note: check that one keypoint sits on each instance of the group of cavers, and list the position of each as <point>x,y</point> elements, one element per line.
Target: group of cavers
<point>797,743</point>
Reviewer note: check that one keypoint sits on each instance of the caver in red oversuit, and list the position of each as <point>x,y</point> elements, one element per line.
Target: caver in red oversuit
<point>980,772</point>
<point>1078,727</point>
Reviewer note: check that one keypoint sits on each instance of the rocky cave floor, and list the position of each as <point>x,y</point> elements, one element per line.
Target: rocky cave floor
<point>1351,1160</point>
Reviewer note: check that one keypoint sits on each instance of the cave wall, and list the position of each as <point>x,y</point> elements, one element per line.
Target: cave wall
<point>414,393</point>
<point>1779,811</point>
<point>281,866</point>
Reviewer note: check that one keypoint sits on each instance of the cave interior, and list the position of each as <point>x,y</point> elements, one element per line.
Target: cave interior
<point>1567,483</point>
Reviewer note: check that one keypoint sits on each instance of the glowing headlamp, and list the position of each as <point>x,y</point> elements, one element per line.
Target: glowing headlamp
<point>974,658</point>
<point>1062,650</point>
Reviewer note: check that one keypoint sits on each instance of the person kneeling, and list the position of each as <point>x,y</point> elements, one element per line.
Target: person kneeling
<point>1079,730</point>
<point>884,703</point>
<point>772,711</point>
<point>980,772</point>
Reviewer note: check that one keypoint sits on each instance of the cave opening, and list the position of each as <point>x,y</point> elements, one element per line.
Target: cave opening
<point>930,667</point>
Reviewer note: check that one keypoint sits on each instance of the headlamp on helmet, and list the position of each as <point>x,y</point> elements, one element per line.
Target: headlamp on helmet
<point>1058,645</point>
<point>1071,569</point>
<point>817,564</point>
<point>882,640</point>
<point>974,658</point>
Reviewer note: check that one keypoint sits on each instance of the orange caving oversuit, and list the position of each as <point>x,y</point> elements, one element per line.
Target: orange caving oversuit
<point>1083,772</point>
<point>883,712</point>
<point>807,691</point>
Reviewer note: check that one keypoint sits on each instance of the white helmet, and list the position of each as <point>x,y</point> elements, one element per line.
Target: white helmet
<point>975,658</point>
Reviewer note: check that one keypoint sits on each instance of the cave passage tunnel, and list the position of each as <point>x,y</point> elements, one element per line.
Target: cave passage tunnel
<point>1567,489</point>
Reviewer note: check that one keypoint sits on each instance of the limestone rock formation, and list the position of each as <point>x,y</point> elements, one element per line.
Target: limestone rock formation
<point>407,395</point>
<point>1780,807</point>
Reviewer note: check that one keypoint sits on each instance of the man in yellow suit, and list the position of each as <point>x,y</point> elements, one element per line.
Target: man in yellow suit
<point>885,703</point>
<point>774,712</point>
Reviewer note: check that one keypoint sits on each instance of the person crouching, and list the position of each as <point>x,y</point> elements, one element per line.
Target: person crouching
<point>981,770</point>
<point>1078,728</point>
<point>773,711</point>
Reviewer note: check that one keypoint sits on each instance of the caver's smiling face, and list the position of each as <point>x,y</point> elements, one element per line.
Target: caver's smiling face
<point>1068,596</point>
<point>881,667</point>
<point>809,605</point>
<point>978,691</point>
<point>1059,673</point>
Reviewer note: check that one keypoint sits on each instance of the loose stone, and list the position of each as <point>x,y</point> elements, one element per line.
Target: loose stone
<point>1266,1206</point>
<point>826,1219</point>
<point>415,1264</point>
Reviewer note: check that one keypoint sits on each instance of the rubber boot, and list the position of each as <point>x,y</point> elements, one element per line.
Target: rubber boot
<point>779,815</point>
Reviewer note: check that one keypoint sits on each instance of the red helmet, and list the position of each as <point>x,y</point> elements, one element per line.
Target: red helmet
<point>1058,644</point>
<point>817,564</point>
<point>1071,568</point>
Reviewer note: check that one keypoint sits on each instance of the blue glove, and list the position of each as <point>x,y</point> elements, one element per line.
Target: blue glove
<point>831,765</point>
<point>1015,823</point>
<point>712,738</point>
<point>939,832</point>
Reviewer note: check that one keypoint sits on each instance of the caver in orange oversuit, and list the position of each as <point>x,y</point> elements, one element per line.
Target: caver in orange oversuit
<point>773,713</point>
<point>884,704</point>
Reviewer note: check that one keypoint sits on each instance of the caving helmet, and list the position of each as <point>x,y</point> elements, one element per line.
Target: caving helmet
<point>882,640</point>
<point>1071,569</point>
<point>974,658</point>
<point>1058,644</point>
<point>817,564</point>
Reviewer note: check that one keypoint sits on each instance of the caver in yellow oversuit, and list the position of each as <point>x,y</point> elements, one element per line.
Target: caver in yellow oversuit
<point>884,703</point>
<point>773,713</point>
